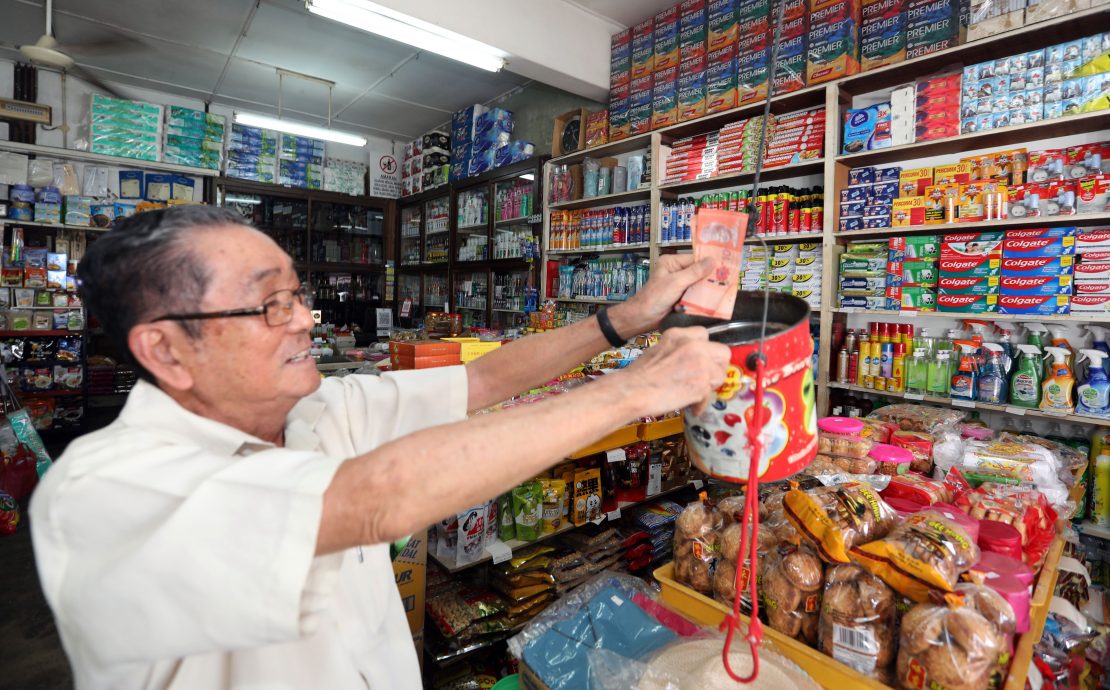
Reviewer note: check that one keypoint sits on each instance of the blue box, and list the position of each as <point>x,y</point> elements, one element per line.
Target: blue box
<point>1046,242</point>
<point>1036,266</point>
<point>865,175</point>
<point>891,174</point>
<point>1038,305</point>
<point>857,193</point>
<point>1036,285</point>
<point>885,189</point>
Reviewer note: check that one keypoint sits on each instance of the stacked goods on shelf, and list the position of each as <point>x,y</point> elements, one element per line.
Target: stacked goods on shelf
<point>464,125</point>
<point>722,34</point>
<point>970,264</point>
<point>882,33</point>
<point>867,129</point>
<point>989,17</point>
<point>788,268</point>
<point>934,25</point>
<point>1036,271</point>
<point>834,40</point>
<point>345,177</point>
<point>797,137</point>
<point>1092,273</point>
<point>692,54</point>
<point>790,72</point>
<point>193,137</point>
<point>664,90</point>
<point>423,354</point>
<point>613,278</point>
<point>300,162</point>
<point>869,199</point>
<point>128,129</point>
<point>426,163</point>
<point>599,229</point>
<point>937,113</point>
<point>252,153</point>
<point>620,80</point>
<point>863,277</point>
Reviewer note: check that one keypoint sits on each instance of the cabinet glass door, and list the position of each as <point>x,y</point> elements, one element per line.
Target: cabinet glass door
<point>410,235</point>
<point>437,236</point>
<point>471,295</point>
<point>472,225</point>
<point>436,296</point>
<point>513,293</point>
<point>344,233</point>
<point>284,220</point>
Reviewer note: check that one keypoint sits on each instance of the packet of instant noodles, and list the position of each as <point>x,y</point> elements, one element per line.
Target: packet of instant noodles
<point>718,235</point>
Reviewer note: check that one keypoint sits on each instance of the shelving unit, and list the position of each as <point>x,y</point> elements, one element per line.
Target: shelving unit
<point>101,159</point>
<point>830,171</point>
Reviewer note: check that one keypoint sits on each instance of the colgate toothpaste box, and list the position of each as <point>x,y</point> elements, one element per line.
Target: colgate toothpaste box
<point>1093,240</point>
<point>1036,285</point>
<point>970,266</point>
<point>1092,271</point>
<point>1025,266</point>
<point>1096,304</point>
<point>1042,242</point>
<point>972,285</point>
<point>1034,304</point>
<point>972,243</point>
<point>1093,287</point>
<point>967,304</point>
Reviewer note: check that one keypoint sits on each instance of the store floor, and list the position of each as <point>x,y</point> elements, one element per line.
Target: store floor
<point>33,656</point>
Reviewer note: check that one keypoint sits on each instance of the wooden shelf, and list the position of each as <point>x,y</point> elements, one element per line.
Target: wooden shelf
<point>101,159</point>
<point>614,148</point>
<point>974,405</point>
<point>52,226</point>
<point>605,200</point>
<point>944,228</point>
<point>618,248</point>
<point>1086,317</point>
<point>783,172</point>
<point>1002,137</point>
<point>49,394</point>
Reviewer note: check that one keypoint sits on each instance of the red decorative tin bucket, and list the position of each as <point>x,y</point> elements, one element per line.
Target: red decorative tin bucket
<point>717,438</point>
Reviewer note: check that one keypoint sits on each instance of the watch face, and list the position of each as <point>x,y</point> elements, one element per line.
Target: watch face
<point>570,134</point>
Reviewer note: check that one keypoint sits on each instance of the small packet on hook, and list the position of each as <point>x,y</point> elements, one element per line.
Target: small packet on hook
<point>718,235</point>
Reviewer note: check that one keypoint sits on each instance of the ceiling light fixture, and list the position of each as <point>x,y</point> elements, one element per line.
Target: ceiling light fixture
<point>383,21</point>
<point>242,199</point>
<point>299,128</point>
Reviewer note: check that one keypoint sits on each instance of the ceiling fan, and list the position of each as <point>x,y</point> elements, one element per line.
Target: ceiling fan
<point>47,52</point>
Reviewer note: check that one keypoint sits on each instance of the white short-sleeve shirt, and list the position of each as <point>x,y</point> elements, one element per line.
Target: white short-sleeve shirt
<point>178,553</point>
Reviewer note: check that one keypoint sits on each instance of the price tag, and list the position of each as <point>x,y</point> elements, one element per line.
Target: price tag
<point>615,455</point>
<point>959,402</point>
<point>850,310</point>
<point>1055,413</point>
<point>1015,410</point>
<point>499,551</point>
<point>598,521</point>
<point>908,314</point>
<point>914,396</point>
<point>615,514</point>
<point>698,484</point>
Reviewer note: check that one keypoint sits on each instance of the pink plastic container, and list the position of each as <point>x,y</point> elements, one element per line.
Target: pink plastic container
<point>892,460</point>
<point>1017,594</point>
<point>991,563</point>
<point>1000,538</point>
<point>904,507</point>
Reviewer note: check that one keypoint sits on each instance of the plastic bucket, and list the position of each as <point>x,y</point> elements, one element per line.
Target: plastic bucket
<point>717,438</point>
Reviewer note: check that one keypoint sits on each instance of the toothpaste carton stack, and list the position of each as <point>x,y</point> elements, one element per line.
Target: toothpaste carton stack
<point>807,269</point>
<point>970,267</point>
<point>834,40</point>
<point>464,125</point>
<point>868,200</point>
<point>1036,276</point>
<point>128,129</point>
<point>300,162</point>
<point>990,17</point>
<point>790,72</point>
<point>797,137</point>
<point>882,33</point>
<point>1092,273</point>
<point>912,273</point>
<point>252,153</point>
<point>738,148</point>
<point>753,50</point>
<point>754,266</point>
<point>932,26</point>
<point>193,137</point>
<point>862,278</point>
<point>620,80</point>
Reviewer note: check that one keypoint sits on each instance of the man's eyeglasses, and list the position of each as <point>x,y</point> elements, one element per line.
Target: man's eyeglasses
<point>278,309</point>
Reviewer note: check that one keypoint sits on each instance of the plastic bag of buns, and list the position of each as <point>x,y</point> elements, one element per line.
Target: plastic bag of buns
<point>697,545</point>
<point>790,588</point>
<point>857,621</point>
<point>730,558</point>
<point>773,520</point>
<point>955,646</point>
<point>833,519</point>
<point>924,553</point>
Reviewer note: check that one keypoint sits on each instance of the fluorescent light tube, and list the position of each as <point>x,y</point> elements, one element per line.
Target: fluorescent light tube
<point>240,199</point>
<point>383,21</point>
<point>299,128</point>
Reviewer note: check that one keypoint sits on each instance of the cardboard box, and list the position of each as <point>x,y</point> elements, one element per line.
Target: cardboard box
<point>967,304</point>
<point>424,348</point>
<point>967,285</point>
<point>908,211</point>
<point>722,22</point>
<point>1099,304</point>
<point>914,182</point>
<point>883,42</point>
<point>916,247</point>
<point>1092,240</point>
<point>1090,270</point>
<point>666,39</point>
<point>917,299</point>
<point>1041,266</point>
<point>425,362</point>
<point>692,34</point>
<point>410,571</point>
<point>920,273</point>
<point>970,266</point>
<point>664,105</point>
<point>1038,305</point>
<point>1029,285</point>
<point>940,204</point>
<point>955,173</point>
<point>1034,245</point>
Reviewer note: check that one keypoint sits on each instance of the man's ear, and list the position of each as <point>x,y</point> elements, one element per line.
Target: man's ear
<point>158,347</point>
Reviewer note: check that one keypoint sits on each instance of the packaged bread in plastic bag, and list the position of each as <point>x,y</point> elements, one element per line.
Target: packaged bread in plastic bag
<point>835,518</point>
<point>958,645</point>
<point>696,545</point>
<point>790,588</point>
<point>925,553</point>
<point>858,620</point>
<point>1026,510</point>
<point>909,417</point>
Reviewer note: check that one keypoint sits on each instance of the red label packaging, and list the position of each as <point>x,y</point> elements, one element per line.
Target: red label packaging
<point>620,59</point>
<point>643,48</point>
<point>666,39</point>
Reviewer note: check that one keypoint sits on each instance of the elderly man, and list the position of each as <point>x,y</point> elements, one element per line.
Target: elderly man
<point>231,528</point>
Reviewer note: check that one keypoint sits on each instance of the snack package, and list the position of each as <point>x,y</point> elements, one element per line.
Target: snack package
<point>790,586</point>
<point>1026,510</point>
<point>858,622</point>
<point>833,519</point>
<point>840,442</point>
<point>696,545</point>
<point>1011,461</point>
<point>924,553</point>
<point>920,446</point>
<point>587,496</point>
<point>528,510</point>
<point>457,609</point>
<point>506,527</point>
<point>953,646</point>
<point>554,496</point>
<point>913,487</point>
<point>911,417</point>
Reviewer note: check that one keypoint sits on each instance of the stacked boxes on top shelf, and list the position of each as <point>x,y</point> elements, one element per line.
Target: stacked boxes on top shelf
<point>643,70</point>
<point>834,40</point>
<point>882,33</point>
<point>426,163</point>
<point>481,140</point>
<point>664,99</point>
<point>193,137</point>
<point>934,25</point>
<point>128,129</point>
<point>300,162</point>
<point>790,71</point>
<point>692,59</point>
<point>252,153</point>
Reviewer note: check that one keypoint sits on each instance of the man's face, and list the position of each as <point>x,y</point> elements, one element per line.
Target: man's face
<point>243,359</point>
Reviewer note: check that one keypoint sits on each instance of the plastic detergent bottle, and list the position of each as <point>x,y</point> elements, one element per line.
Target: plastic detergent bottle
<point>917,372</point>
<point>1058,382</point>
<point>1094,393</point>
<point>1025,384</point>
<point>992,375</point>
<point>1060,339</point>
<point>965,382</point>
<point>1098,337</point>
<point>939,374</point>
<point>1038,336</point>
<point>1006,340</point>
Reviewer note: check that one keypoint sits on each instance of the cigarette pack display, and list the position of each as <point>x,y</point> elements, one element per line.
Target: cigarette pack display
<point>720,81</point>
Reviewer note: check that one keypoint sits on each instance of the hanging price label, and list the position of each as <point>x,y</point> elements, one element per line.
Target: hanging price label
<point>1015,410</point>
<point>959,402</point>
<point>914,396</point>
<point>499,551</point>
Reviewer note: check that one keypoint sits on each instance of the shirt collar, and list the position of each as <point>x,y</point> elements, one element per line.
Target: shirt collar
<point>150,409</point>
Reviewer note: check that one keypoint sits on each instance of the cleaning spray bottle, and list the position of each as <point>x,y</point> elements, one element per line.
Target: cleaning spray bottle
<point>1005,338</point>
<point>1079,441</point>
<point>1025,384</point>
<point>1058,382</point>
<point>1098,337</point>
<point>992,375</point>
<point>1060,339</point>
<point>965,382</point>
<point>1094,392</point>
<point>1038,336</point>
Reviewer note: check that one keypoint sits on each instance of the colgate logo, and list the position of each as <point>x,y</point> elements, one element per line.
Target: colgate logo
<point>1028,244</point>
<point>1022,234</point>
<point>1094,237</point>
<point>1034,262</point>
<point>1094,287</point>
<point>960,265</point>
<point>1024,283</point>
<point>958,282</point>
<point>959,300</point>
<point>1011,301</point>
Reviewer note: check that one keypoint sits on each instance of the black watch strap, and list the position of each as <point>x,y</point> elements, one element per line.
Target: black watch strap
<point>607,329</point>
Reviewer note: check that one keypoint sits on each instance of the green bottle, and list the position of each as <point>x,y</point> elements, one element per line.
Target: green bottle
<point>1025,384</point>
<point>940,373</point>
<point>1037,337</point>
<point>917,372</point>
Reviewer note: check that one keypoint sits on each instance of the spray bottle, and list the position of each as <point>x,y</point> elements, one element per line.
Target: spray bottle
<point>1094,392</point>
<point>1098,337</point>
<point>992,375</point>
<point>1060,339</point>
<point>965,382</point>
<point>1058,382</point>
<point>1006,340</point>
<point>1038,336</point>
<point>1025,384</point>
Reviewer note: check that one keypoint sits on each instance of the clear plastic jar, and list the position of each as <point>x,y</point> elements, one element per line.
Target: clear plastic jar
<point>892,459</point>
<point>842,437</point>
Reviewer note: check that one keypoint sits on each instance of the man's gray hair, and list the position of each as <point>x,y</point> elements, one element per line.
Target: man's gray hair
<point>144,267</point>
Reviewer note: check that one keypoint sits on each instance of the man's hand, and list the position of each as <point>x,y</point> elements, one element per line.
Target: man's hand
<point>671,276</point>
<point>683,369</point>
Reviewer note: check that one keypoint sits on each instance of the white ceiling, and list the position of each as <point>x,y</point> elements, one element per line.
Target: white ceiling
<point>229,51</point>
